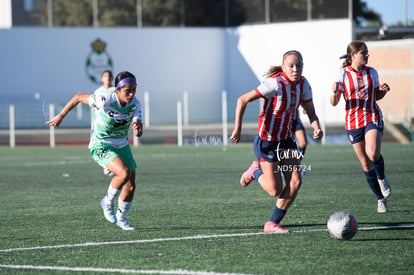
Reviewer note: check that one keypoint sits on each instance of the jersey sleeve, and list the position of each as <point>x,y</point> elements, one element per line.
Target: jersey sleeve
<point>96,100</point>
<point>268,87</point>
<point>307,91</point>
<point>339,78</point>
<point>138,111</point>
<point>375,77</point>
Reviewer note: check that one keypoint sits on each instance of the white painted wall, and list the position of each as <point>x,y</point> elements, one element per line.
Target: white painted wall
<point>50,63</point>
<point>320,42</point>
<point>5,14</point>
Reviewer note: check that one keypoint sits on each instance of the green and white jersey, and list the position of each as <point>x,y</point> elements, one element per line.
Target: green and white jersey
<point>111,120</point>
<point>102,91</point>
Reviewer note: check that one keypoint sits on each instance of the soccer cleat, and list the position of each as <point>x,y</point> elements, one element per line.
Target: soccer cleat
<point>125,225</point>
<point>108,210</point>
<point>382,206</point>
<point>248,176</point>
<point>385,187</point>
<point>272,227</point>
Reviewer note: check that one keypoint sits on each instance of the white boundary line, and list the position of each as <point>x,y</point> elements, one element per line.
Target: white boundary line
<point>194,237</point>
<point>115,270</point>
<point>179,271</point>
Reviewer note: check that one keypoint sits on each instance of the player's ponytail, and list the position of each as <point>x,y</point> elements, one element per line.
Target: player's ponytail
<point>273,70</point>
<point>352,48</point>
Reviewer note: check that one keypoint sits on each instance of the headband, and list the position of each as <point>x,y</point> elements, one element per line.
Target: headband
<point>127,80</point>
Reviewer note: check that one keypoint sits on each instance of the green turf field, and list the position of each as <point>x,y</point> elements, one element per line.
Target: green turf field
<point>195,218</point>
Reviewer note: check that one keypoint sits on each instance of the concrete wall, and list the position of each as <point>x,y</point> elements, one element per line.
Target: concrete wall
<point>394,61</point>
<point>5,14</point>
<point>47,65</point>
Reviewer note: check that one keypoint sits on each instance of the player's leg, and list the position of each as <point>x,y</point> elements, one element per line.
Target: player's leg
<point>300,136</point>
<point>125,203</point>
<point>370,175</point>
<point>373,140</point>
<point>121,172</point>
<point>127,164</point>
<point>270,180</point>
<point>104,156</point>
<point>287,196</point>
<point>293,182</point>
<point>121,175</point>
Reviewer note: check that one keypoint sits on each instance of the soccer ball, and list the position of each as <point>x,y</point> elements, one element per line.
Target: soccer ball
<point>342,225</point>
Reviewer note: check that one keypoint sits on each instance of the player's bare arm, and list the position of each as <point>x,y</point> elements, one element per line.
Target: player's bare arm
<point>336,96</point>
<point>381,91</point>
<point>75,100</point>
<point>137,127</point>
<point>313,119</point>
<point>240,108</point>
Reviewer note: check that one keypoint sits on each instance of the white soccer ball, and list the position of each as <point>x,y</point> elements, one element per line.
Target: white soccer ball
<point>342,225</point>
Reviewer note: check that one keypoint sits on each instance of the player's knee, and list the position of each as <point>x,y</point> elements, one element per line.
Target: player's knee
<point>372,154</point>
<point>295,183</point>
<point>131,188</point>
<point>124,174</point>
<point>275,192</point>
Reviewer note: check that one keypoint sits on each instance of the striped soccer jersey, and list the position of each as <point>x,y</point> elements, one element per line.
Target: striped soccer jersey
<point>359,92</point>
<point>112,121</point>
<point>281,101</point>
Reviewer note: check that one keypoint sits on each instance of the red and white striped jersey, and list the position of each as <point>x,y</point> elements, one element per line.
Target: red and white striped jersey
<point>281,101</point>
<point>359,93</point>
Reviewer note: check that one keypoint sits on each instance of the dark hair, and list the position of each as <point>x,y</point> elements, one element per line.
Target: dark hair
<point>352,48</point>
<point>109,72</point>
<point>123,75</point>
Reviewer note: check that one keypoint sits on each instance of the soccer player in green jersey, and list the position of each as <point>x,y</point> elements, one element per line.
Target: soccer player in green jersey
<point>106,88</point>
<point>106,79</point>
<point>109,145</point>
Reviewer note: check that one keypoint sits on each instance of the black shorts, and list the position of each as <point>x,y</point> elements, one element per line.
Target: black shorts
<point>297,125</point>
<point>358,135</point>
<point>271,151</point>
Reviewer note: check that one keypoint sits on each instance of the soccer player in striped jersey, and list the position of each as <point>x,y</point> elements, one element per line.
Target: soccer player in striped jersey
<point>359,85</point>
<point>109,145</point>
<point>274,146</point>
<point>297,125</point>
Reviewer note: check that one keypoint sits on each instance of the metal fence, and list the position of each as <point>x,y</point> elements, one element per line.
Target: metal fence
<point>184,13</point>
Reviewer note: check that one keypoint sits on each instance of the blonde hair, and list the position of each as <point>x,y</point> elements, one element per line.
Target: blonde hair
<point>273,70</point>
<point>297,53</point>
<point>278,69</point>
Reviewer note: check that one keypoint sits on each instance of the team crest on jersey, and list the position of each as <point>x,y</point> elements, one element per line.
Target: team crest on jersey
<point>360,82</point>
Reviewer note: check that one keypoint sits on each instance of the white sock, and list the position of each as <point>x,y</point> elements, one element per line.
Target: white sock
<point>123,209</point>
<point>112,193</point>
